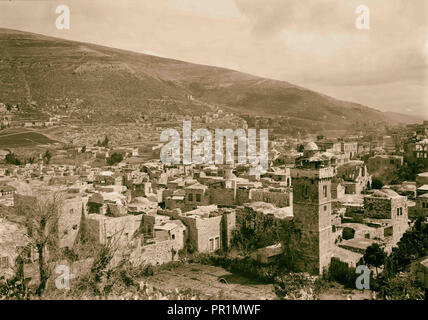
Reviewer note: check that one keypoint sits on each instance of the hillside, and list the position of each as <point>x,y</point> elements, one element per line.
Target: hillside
<point>402,118</point>
<point>102,84</point>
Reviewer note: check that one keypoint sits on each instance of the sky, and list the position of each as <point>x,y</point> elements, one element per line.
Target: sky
<point>311,43</point>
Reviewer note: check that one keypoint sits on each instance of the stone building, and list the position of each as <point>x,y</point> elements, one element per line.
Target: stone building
<point>381,163</point>
<point>311,181</point>
<point>12,239</point>
<point>329,145</point>
<point>356,178</point>
<point>350,149</point>
<point>119,230</point>
<point>209,227</point>
<point>422,205</point>
<point>196,195</point>
<point>71,206</point>
<point>388,207</point>
<point>421,151</point>
<point>421,179</point>
<point>162,239</point>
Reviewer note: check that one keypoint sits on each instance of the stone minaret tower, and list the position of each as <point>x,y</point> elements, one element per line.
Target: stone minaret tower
<point>311,182</point>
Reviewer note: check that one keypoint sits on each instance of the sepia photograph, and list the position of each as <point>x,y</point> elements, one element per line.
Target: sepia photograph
<point>209,158</point>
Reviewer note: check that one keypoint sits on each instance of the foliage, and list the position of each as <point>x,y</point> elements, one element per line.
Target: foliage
<point>14,289</point>
<point>409,170</point>
<point>104,143</point>
<point>396,282</point>
<point>31,160</point>
<point>402,286</point>
<point>100,278</point>
<point>296,286</point>
<point>11,158</point>
<point>375,256</point>
<point>412,246</point>
<point>376,183</point>
<point>114,159</point>
<point>348,233</point>
<point>41,222</point>
<point>251,231</point>
<point>47,156</point>
<point>341,272</point>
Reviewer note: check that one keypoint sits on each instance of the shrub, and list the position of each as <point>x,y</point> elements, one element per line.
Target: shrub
<point>348,233</point>
<point>114,159</point>
<point>377,183</point>
<point>296,286</point>
<point>341,272</point>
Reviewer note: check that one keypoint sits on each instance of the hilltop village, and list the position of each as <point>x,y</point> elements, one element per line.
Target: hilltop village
<point>341,195</point>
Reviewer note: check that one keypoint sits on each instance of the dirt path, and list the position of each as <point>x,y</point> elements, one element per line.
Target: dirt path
<point>205,280</point>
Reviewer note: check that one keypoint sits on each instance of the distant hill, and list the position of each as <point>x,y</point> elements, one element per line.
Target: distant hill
<point>110,85</point>
<point>402,118</point>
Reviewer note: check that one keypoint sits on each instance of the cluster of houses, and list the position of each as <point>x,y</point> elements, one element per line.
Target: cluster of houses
<point>152,211</point>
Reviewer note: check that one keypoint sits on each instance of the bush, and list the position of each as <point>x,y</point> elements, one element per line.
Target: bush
<point>377,183</point>
<point>11,158</point>
<point>403,286</point>
<point>114,159</point>
<point>296,286</point>
<point>14,289</point>
<point>341,272</point>
<point>348,233</point>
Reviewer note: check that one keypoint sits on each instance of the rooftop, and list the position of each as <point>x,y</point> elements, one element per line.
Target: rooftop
<point>359,243</point>
<point>385,193</point>
<point>268,208</point>
<point>311,146</point>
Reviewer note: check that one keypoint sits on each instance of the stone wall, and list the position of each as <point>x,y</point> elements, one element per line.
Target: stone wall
<point>157,253</point>
<point>222,196</point>
<point>201,230</point>
<point>119,230</point>
<point>69,221</point>
<point>279,199</point>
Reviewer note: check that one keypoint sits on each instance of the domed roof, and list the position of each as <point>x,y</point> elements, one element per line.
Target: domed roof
<point>311,146</point>
<point>385,193</point>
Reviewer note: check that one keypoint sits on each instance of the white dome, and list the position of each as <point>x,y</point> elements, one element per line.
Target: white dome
<point>311,146</point>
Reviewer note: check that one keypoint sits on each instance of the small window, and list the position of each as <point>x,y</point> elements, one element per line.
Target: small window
<point>325,208</point>
<point>4,262</point>
<point>324,189</point>
<point>211,244</point>
<point>173,236</point>
<point>190,197</point>
<point>217,243</point>
<point>198,197</point>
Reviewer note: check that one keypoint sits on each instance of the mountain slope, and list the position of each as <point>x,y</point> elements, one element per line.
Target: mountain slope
<point>44,74</point>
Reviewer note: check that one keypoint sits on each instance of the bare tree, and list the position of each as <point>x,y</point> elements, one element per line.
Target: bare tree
<point>42,215</point>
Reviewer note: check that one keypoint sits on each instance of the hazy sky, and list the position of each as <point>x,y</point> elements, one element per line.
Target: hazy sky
<point>313,43</point>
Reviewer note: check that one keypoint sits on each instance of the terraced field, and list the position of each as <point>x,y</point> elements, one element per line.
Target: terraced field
<point>22,138</point>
